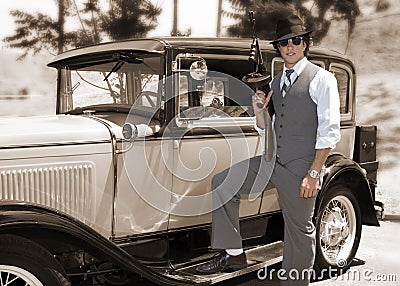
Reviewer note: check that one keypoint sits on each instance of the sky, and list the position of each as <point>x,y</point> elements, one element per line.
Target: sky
<point>199,15</point>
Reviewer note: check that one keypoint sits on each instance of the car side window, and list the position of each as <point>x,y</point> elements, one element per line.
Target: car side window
<point>344,79</point>
<point>220,94</point>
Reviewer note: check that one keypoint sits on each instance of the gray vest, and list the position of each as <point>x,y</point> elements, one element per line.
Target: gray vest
<point>296,119</point>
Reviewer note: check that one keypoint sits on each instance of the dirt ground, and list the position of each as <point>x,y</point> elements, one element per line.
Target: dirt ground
<point>376,263</point>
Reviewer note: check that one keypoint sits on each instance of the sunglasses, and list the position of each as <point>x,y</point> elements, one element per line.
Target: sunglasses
<point>295,40</point>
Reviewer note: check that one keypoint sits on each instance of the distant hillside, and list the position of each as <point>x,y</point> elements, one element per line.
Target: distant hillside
<point>29,76</point>
<point>27,87</point>
<point>374,43</point>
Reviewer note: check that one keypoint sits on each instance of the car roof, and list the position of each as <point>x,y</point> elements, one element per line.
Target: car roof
<point>159,45</point>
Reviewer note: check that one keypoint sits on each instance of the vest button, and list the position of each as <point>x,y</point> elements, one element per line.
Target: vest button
<point>281,114</point>
<point>280,126</point>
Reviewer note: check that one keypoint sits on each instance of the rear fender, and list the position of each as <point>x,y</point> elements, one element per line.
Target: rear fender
<point>342,169</point>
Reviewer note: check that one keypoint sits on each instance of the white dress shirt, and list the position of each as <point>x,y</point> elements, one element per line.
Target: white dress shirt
<point>324,92</point>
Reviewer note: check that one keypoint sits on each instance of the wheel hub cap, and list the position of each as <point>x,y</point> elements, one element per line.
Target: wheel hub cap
<point>337,229</point>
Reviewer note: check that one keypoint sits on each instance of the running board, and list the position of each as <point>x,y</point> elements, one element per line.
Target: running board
<point>257,258</point>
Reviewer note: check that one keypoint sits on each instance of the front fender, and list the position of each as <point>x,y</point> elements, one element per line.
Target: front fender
<point>342,169</point>
<point>24,219</point>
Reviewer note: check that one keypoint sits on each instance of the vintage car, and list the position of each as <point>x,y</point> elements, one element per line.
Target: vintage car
<point>115,188</point>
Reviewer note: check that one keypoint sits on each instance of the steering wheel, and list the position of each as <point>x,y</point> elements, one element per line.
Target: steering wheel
<point>150,95</point>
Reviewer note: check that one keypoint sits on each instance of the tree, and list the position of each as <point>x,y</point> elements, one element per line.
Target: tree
<point>266,13</point>
<point>38,31</point>
<point>124,19</point>
<point>129,18</point>
<point>316,17</point>
<point>175,32</point>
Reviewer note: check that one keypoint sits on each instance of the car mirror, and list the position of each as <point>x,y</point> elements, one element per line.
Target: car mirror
<point>198,70</point>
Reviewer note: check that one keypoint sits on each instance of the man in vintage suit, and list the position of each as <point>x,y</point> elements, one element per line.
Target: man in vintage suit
<point>306,127</point>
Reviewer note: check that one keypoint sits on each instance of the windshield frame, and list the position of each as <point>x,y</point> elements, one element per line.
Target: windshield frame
<point>97,61</point>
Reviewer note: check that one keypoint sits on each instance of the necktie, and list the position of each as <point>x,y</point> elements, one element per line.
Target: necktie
<point>269,139</point>
<point>287,83</point>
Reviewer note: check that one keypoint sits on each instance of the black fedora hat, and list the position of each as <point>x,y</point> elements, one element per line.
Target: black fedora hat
<point>290,27</point>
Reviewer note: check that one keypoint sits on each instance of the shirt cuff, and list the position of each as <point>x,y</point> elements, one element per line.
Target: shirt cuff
<point>325,142</point>
<point>258,129</point>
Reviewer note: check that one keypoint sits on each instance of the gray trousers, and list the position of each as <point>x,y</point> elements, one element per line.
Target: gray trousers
<point>249,176</point>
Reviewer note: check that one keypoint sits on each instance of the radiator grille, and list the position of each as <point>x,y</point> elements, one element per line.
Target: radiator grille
<point>66,187</point>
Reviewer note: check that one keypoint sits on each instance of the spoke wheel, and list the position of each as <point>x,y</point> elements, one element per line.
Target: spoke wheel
<point>338,228</point>
<point>25,263</point>
<point>16,276</point>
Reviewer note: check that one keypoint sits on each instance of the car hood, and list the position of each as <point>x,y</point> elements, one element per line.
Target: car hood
<point>51,130</point>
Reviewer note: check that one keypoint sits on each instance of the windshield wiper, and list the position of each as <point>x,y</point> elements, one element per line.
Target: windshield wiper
<point>117,66</point>
<point>122,59</point>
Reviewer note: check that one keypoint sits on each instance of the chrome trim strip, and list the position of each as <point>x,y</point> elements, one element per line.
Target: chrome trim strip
<point>54,144</point>
<point>192,137</point>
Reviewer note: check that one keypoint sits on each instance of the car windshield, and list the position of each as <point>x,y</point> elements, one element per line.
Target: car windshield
<point>116,81</point>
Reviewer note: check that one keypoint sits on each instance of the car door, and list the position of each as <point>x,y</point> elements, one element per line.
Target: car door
<point>216,130</point>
